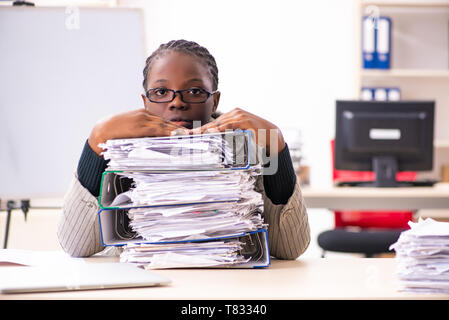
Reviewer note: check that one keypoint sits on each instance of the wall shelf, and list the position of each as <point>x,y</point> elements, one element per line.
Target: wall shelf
<point>405,4</point>
<point>405,73</point>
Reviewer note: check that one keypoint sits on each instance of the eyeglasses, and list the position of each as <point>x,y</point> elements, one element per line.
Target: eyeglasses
<point>191,95</point>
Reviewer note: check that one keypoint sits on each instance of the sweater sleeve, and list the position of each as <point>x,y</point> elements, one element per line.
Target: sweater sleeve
<point>78,228</point>
<point>279,186</point>
<point>90,168</point>
<point>288,226</point>
<point>284,210</point>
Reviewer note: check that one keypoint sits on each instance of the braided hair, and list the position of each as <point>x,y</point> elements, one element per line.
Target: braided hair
<point>188,47</point>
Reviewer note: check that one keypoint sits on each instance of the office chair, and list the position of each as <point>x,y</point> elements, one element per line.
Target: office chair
<point>366,232</point>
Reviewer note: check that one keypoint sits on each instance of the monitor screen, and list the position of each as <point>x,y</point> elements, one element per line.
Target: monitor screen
<point>385,137</point>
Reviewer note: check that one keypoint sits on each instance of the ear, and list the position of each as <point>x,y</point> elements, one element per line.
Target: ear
<point>216,101</point>
<point>145,102</point>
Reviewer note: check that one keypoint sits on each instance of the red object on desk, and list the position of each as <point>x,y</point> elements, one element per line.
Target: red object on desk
<point>370,219</point>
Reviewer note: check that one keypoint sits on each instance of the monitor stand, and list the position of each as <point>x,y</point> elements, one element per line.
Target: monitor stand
<point>385,169</point>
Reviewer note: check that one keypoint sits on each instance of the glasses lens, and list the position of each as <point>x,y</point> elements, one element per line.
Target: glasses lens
<point>194,95</point>
<point>160,95</point>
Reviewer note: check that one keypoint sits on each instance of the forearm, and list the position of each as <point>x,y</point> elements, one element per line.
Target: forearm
<point>279,186</point>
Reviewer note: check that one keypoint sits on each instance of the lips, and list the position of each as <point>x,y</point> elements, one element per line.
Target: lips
<point>183,122</point>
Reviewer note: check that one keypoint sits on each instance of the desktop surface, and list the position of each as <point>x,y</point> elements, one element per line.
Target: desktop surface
<point>309,278</point>
<point>401,184</point>
<point>371,198</point>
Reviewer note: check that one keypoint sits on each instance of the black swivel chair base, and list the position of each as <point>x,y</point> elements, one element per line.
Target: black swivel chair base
<point>367,242</point>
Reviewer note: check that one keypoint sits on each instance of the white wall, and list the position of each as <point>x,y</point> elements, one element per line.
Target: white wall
<point>286,61</point>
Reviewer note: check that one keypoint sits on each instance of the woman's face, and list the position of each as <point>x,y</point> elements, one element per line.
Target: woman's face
<point>178,71</point>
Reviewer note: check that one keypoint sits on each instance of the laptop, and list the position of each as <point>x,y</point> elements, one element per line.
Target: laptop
<point>80,276</point>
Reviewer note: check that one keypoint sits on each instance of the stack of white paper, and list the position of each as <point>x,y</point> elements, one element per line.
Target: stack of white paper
<point>184,255</point>
<point>196,221</point>
<point>177,153</point>
<point>423,257</point>
<point>182,191</point>
<point>203,186</point>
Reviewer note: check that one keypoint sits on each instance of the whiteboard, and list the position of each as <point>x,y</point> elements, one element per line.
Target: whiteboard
<point>61,70</point>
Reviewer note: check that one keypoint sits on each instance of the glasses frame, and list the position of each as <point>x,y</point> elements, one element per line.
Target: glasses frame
<point>209,94</point>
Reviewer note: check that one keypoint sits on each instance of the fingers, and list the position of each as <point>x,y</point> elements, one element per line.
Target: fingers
<point>232,120</point>
<point>179,132</point>
<point>163,128</point>
<point>146,124</point>
<point>223,123</point>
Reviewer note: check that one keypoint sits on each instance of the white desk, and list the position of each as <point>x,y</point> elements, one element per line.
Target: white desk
<point>345,278</point>
<point>359,198</point>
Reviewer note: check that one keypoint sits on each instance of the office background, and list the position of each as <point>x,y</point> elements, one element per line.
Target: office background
<point>286,61</point>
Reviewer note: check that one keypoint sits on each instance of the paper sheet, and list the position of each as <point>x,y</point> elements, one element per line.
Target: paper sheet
<point>422,255</point>
<point>36,258</point>
<point>183,152</point>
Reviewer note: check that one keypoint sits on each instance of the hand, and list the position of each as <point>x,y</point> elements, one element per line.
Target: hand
<point>241,119</point>
<point>132,124</point>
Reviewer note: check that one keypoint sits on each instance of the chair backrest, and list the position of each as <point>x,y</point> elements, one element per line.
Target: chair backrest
<point>370,219</point>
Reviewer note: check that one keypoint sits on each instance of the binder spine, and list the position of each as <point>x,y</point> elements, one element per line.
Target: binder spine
<point>265,233</point>
<point>383,43</point>
<point>369,55</point>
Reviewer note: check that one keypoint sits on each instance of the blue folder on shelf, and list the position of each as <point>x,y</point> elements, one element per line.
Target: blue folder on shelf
<point>376,42</point>
<point>380,94</point>
<point>383,43</point>
<point>369,43</point>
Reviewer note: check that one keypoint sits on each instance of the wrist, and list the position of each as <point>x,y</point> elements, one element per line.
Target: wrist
<point>90,168</point>
<point>276,149</point>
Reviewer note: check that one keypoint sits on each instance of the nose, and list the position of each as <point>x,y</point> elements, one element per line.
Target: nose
<point>177,103</point>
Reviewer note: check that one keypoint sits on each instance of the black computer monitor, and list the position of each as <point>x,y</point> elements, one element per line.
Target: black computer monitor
<point>384,137</point>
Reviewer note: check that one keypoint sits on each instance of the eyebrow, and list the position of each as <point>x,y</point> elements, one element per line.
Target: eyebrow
<point>194,79</point>
<point>160,80</point>
<point>186,82</point>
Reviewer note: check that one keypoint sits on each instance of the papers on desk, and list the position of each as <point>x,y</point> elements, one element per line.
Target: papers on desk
<point>422,254</point>
<point>203,186</point>
<point>190,202</point>
<point>36,258</point>
<point>196,221</point>
<point>184,255</point>
<point>203,151</point>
